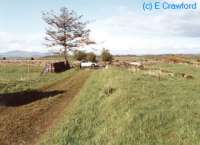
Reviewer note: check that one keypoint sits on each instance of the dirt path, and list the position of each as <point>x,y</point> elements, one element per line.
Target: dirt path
<point>23,121</point>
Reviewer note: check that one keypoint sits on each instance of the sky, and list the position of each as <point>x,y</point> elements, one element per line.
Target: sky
<point>118,25</point>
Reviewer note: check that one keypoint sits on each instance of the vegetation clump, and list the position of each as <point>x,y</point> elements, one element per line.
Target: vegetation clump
<point>82,55</point>
<point>106,56</point>
<point>109,91</point>
<point>91,57</point>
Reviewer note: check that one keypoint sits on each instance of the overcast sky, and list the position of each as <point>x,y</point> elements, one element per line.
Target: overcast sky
<point>118,25</point>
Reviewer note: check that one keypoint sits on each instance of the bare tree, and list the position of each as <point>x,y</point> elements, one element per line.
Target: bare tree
<point>66,30</point>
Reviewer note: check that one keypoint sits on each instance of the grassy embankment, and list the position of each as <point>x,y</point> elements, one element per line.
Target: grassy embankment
<point>118,107</point>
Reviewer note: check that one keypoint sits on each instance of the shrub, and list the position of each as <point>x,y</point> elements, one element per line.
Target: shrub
<point>80,55</point>
<point>106,55</point>
<point>91,57</point>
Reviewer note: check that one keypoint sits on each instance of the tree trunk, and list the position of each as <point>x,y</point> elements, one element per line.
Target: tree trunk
<point>67,65</point>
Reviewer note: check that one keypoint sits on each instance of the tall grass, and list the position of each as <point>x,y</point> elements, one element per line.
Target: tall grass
<point>117,107</point>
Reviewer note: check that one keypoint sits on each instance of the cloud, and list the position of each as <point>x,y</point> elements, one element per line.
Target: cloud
<point>25,42</point>
<point>165,32</point>
<point>128,31</point>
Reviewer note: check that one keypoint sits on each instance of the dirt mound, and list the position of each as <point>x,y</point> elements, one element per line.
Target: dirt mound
<point>27,115</point>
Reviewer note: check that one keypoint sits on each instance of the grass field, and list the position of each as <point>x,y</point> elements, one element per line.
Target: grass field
<point>16,78</point>
<point>114,106</point>
<point>118,107</point>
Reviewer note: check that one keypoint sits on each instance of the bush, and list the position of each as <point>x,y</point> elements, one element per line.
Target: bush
<point>106,55</point>
<point>91,57</point>
<point>4,58</point>
<point>80,55</point>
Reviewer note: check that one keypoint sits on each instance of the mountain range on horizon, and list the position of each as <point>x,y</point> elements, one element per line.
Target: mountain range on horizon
<point>24,54</point>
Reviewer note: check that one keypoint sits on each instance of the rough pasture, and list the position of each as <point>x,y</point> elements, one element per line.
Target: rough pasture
<point>27,62</point>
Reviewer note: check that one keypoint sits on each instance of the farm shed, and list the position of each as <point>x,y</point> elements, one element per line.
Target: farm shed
<point>56,67</point>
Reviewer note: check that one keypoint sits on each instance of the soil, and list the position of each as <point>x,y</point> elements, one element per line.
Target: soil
<point>25,116</point>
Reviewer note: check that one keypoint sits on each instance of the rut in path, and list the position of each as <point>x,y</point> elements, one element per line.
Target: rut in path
<point>23,122</point>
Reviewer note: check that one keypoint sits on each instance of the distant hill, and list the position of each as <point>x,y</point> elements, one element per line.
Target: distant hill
<point>23,54</point>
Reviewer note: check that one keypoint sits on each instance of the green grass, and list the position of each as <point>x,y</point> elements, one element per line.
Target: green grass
<point>16,78</point>
<point>181,68</point>
<point>117,107</point>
